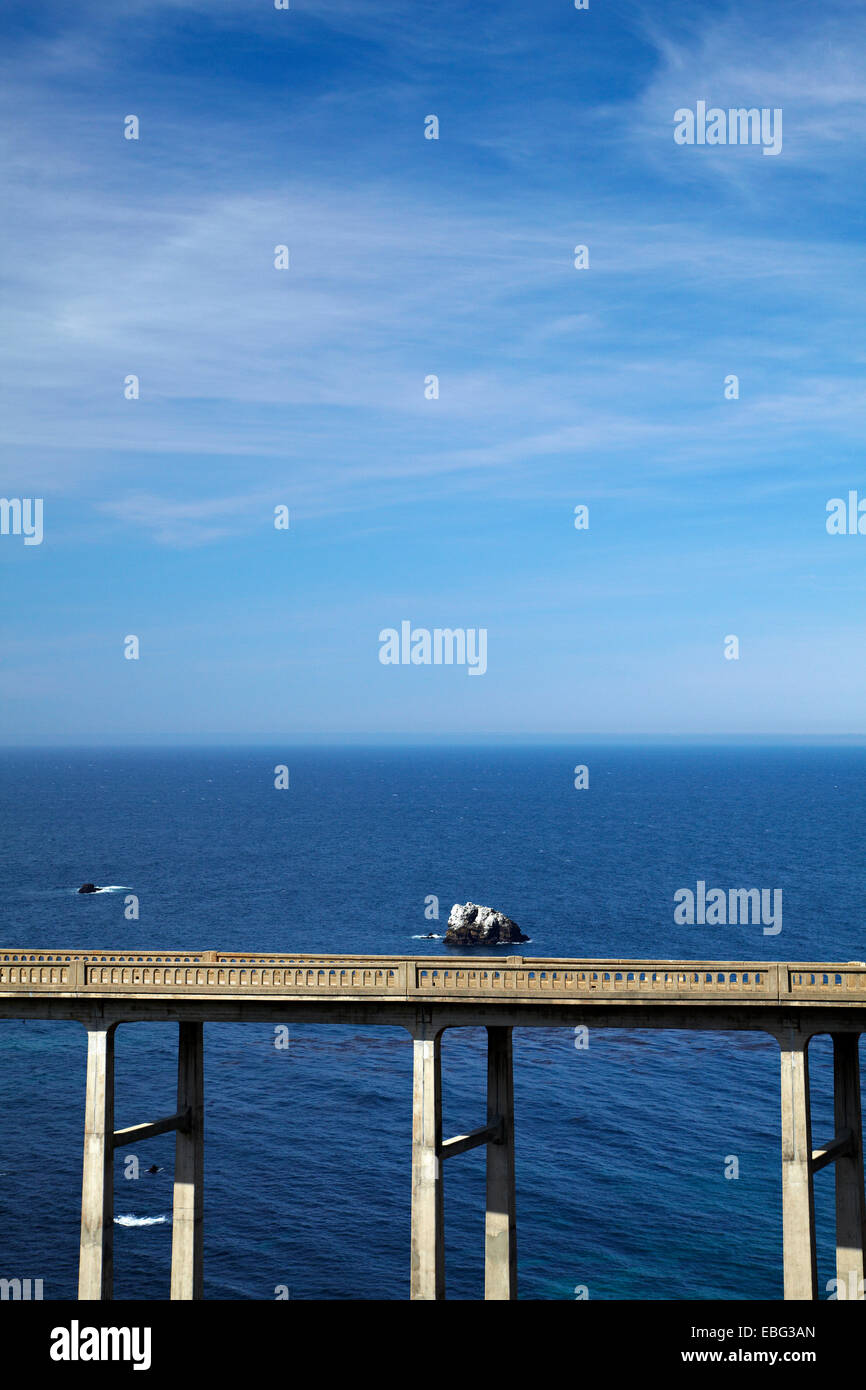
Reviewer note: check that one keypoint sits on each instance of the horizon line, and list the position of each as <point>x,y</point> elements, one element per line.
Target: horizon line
<point>450,740</point>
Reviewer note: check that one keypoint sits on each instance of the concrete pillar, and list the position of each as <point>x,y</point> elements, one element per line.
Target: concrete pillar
<point>96,1264</point>
<point>428,1226</point>
<point>850,1213</point>
<point>187,1237</point>
<point>500,1235</point>
<point>798,1211</point>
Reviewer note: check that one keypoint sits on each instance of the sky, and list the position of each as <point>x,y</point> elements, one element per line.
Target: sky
<point>411,257</point>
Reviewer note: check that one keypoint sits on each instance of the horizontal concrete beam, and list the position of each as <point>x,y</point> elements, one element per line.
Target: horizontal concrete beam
<point>134,1133</point>
<point>709,1017</point>
<point>840,1147</point>
<point>462,1143</point>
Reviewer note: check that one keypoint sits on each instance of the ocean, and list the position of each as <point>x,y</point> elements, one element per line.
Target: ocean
<point>622,1147</point>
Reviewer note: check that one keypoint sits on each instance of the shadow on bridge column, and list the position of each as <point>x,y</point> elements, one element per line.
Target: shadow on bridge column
<point>850,1205</point>
<point>500,1253</point>
<point>187,1232</point>
<point>429,1153</point>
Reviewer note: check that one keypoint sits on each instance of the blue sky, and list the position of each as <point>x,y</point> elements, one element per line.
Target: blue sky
<point>412,257</point>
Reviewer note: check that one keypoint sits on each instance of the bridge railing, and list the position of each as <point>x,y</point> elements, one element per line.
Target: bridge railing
<point>402,977</point>
<point>614,979</point>
<point>110,972</point>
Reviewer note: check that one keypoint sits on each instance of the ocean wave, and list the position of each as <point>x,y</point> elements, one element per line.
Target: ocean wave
<point>432,936</point>
<point>130,1220</point>
<point>105,888</point>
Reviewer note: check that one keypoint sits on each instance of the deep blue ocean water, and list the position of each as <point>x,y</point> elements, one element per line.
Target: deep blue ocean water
<point>621,1147</point>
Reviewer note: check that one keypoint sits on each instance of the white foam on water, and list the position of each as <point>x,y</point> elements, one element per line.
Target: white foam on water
<point>130,1220</point>
<point>427,936</point>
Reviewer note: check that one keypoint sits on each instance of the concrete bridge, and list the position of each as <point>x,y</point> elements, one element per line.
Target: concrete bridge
<point>425,995</point>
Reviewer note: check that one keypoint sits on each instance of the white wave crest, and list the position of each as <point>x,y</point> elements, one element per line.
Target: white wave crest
<point>130,1220</point>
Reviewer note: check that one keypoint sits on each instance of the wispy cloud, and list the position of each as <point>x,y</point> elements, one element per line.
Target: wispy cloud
<point>413,258</point>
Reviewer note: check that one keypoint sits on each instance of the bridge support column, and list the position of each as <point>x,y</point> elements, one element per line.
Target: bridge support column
<point>850,1212</point>
<point>798,1210</point>
<point>187,1237</point>
<point>428,1230</point>
<point>95,1266</point>
<point>500,1256</point>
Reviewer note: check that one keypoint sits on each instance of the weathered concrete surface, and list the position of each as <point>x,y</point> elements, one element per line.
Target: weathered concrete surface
<point>427,1255</point>
<point>95,1271</point>
<point>798,1209</point>
<point>187,1241</point>
<point>221,974</point>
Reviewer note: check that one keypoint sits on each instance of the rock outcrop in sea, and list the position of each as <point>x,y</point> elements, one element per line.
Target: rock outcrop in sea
<point>470,924</point>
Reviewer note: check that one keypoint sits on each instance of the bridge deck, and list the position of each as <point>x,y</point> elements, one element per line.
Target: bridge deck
<point>178,976</point>
<point>792,1001</point>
